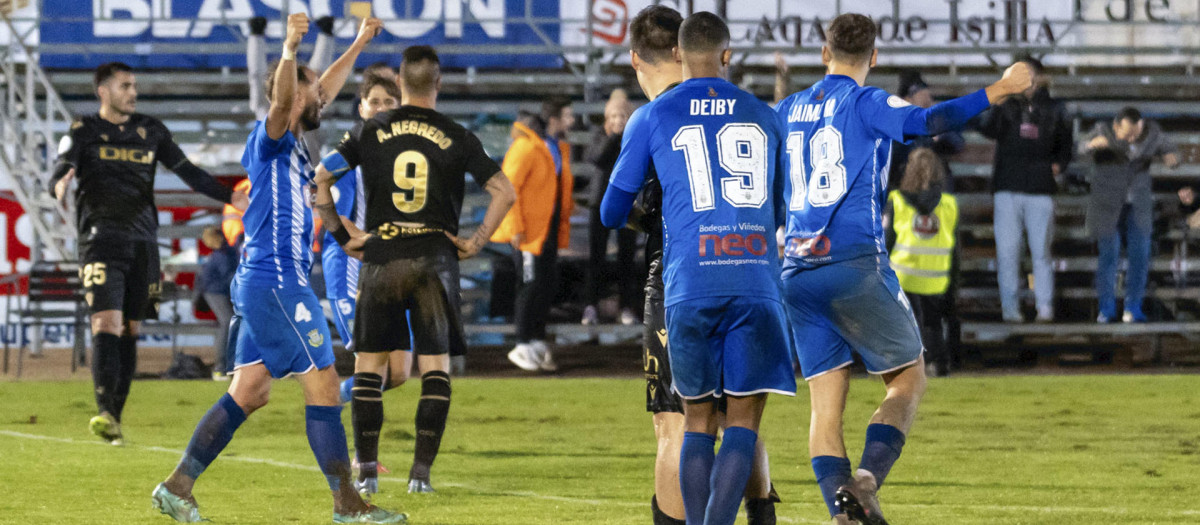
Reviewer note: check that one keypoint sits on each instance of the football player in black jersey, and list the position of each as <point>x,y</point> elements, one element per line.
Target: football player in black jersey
<point>413,163</point>
<point>114,155</point>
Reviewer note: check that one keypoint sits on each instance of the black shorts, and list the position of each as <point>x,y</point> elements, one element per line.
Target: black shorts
<point>410,304</point>
<point>121,275</point>
<point>655,360</point>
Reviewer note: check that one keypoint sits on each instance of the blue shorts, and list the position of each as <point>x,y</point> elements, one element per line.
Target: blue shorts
<point>343,318</point>
<point>284,329</point>
<point>729,345</point>
<point>851,307</point>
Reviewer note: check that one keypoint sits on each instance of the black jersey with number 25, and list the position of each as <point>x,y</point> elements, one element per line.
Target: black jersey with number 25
<point>115,165</point>
<point>413,164</point>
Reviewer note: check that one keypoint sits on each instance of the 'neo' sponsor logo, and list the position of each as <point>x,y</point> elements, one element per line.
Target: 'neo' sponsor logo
<point>733,244</point>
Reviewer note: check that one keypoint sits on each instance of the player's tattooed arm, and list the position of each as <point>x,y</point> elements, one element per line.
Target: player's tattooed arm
<point>343,230</point>
<point>503,196</point>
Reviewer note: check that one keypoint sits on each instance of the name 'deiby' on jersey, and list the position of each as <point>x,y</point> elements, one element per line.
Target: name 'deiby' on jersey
<point>839,145</point>
<point>717,150</point>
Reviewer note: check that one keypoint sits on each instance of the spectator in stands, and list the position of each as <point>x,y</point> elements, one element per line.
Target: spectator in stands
<point>1189,207</point>
<point>921,222</point>
<point>216,273</point>
<point>1122,199</point>
<point>1033,147</point>
<point>538,225</point>
<point>915,91</point>
<point>603,154</point>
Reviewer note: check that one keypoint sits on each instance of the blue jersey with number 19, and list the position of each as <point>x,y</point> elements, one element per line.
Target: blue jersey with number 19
<point>717,150</point>
<point>839,146</point>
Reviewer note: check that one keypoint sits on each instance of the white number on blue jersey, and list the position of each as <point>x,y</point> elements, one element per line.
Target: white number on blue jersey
<point>828,182</point>
<point>795,150</point>
<point>741,151</point>
<point>302,314</point>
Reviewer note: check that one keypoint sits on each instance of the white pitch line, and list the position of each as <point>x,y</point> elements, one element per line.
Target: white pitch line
<point>311,468</point>
<point>593,502</point>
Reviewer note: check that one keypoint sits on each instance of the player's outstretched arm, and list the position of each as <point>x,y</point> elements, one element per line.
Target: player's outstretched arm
<point>283,95</point>
<point>953,114</point>
<point>196,178</point>
<point>334,78</point>
<point>503,196</point>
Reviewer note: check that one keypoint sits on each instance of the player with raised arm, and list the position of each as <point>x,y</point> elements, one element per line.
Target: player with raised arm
<point>284,331</point>
<point>413,163</point>
<point>653,35</point>
<point>115,155</point>
<point>843,298</point>
<point>717,150</point>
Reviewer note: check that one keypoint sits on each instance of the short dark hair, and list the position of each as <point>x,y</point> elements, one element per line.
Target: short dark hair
<point>553,106</point>
<point>379,69</point>
<point>703,32</point>
<point>851,38</point>
<point>1129,113</point>
<point>372,81</point>
<point>654,32</point>
<point>301,78</point>
<point>420,68</point>
<point>108,70</point>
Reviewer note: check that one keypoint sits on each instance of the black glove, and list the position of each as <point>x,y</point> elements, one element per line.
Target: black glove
<point>258,25</point>
<point>325,23</point>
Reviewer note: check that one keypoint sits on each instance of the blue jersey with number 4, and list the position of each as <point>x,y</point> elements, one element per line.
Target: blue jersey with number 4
<point>717,150</point>
<point>839,146</point>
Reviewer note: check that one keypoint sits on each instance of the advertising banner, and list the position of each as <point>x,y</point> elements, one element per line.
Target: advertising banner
<point>175,33</point>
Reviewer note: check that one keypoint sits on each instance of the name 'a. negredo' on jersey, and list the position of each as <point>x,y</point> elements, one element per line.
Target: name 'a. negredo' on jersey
<point>839,147</point>
<point>717,151</point>
<point>413,163</point>
<point>114,167</point>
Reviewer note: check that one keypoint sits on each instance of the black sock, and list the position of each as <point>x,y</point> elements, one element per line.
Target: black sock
<point>760,511</point>
<point>366,414</point>
<point>105,367</point>
<point>431,421</point>
<point>660,517</point>
<point>126,370</point>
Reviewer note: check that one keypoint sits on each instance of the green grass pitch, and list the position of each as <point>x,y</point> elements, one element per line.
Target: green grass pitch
<point>988,450</point>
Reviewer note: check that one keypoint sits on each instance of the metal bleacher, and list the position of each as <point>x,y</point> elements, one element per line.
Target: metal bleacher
<point>209,116</point>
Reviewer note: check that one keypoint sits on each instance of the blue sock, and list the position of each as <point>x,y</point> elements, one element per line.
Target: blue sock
<point>832,472</point>
<point>695,470</point>
<point>884,443</point>
<point>344,394</point>
<point>327,438</point>
<point>212,433</point>
<point>730,472</point>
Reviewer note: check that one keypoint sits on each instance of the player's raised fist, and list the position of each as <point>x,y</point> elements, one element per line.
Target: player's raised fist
<point>297,27</point>
<point>369,29</point>
<point>1018,78</point>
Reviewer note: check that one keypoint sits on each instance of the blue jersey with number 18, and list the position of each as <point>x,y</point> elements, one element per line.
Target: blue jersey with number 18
<point>717,150</point>
<point>839,146</point>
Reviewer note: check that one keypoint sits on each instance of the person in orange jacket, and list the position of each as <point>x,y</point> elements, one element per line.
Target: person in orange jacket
<point>231,220</point>
<point>537,226</point>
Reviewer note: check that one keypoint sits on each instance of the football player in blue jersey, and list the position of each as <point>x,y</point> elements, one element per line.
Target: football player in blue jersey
<point>717,151</point>
<point>284,332</point>
<point>843,298</point>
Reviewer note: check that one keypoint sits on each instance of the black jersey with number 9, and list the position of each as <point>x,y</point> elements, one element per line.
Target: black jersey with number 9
<point>413,163</point>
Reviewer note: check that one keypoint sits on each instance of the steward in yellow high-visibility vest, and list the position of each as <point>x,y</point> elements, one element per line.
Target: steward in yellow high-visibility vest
<point>923,254</point>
